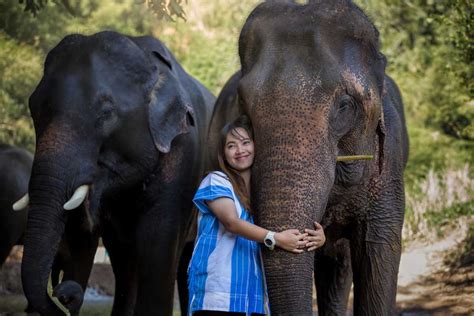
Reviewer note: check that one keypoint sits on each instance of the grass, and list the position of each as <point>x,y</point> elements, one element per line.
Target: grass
<point>439,182</point>
<point>439,198</point>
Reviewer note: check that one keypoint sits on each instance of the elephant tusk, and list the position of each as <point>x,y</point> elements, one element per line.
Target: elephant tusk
<point>77,198</point>
<point>22,203</point>
<point>356,157</point>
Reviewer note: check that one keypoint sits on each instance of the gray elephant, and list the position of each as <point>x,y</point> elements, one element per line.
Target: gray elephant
<point>15,169</point>
<point>313,83</point>
<point>120,149</point>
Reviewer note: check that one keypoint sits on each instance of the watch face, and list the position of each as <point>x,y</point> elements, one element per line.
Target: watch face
<point>268,242</point>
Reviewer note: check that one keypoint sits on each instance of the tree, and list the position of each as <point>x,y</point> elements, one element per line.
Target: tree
<point>20,69</point>
<point>163,9</point>
<point>429,45</point>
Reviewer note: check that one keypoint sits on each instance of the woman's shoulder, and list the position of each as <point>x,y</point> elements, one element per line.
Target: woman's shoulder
<point>216,178</point>
<point>220,174</point>
<point>215,185</point>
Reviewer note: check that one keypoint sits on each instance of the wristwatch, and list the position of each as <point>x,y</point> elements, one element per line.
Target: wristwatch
<point>269,240</point>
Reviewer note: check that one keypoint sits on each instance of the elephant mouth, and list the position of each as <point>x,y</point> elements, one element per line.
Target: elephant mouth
<point>349,173</point>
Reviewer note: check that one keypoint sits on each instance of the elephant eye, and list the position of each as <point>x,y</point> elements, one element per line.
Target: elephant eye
<point>106,118</point>
<point>344,115</point>
<point>344,106</point>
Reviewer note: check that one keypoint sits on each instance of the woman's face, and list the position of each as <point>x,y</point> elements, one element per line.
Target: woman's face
<point>239,149</point>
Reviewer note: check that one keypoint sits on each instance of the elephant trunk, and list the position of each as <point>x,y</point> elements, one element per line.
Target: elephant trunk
<point>290,189</point>
<point>45,227</point>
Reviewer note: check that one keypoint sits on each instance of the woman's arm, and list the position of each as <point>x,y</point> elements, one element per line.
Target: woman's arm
<point>224,209</point>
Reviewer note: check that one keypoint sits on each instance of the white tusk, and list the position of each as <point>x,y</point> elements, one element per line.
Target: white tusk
<point>22,203</point>
<point>77,198</point>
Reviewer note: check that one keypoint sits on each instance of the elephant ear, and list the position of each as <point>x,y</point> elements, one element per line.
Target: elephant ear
<point>169,112</point>
<point>163,55</point>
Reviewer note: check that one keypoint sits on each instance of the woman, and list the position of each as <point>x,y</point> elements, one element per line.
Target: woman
<point>225,273</point>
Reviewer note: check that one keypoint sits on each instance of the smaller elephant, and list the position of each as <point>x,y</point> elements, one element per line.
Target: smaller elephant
<point>15,169</point>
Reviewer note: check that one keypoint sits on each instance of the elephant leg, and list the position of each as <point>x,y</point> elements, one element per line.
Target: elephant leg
<point>122,259</point>
<point>12,226</point>
<point>183,277</point>
<point>75,258</point>
<point>375,268</point>
<point>158,247</point>
<point>333,276</point>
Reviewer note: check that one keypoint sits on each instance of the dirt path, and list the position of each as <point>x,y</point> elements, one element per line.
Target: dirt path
<point>428,286</point>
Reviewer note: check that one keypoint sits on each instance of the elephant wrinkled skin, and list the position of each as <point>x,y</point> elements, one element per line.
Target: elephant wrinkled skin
<point>120,141</point>
<point>313,83</point>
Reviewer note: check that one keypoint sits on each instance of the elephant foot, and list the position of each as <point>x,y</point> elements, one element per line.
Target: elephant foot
<point>71,295</point>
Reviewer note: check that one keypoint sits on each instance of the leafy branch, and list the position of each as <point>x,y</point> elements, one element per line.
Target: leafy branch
<point>162,9</point>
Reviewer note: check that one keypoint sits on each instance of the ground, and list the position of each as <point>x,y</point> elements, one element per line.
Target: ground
<point>435,278</point>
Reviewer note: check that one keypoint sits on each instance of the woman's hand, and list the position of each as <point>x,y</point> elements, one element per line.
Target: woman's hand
<point>291,240</point>
<point>315,238</point>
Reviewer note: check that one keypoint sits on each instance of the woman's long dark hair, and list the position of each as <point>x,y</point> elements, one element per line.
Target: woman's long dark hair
<point>235,179</point>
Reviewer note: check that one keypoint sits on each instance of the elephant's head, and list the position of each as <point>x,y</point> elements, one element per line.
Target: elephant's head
<point>311,81</point>
<point>105,110</point>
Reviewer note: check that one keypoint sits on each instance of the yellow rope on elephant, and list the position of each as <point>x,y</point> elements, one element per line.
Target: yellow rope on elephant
<point>55,299</point>
<point>356,157</point>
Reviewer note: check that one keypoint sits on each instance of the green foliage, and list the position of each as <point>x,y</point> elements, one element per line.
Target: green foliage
<point>463,255</point>
<point>51,23</point>
<point>429,46</point>
<point>33,6</point>
<point>431,149</point>
<point>437,219</point>
<point>166,10</point>
<point>20,70</point>
<point>206,43</point>
<point>163,9</point>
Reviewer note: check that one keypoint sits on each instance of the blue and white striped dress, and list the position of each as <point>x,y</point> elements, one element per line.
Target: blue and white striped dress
<point>225,272</point>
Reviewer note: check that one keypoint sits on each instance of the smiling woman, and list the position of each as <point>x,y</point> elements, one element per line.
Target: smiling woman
<point>225,274</point>
<point>232,139</point>
<point>239,149</point>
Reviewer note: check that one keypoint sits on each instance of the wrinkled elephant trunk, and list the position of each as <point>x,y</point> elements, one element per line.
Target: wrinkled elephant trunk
<point>290,192</point>
<point>289,282</point>
<point>45,227</point>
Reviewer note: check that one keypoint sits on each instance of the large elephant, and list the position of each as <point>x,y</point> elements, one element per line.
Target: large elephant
<point>120,149</point>
<point>313,83</point>
<point>15,169</point>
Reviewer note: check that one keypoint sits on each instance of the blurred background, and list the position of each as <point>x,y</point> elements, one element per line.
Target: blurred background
<point>429,48</point>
